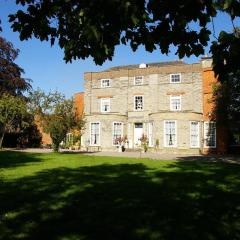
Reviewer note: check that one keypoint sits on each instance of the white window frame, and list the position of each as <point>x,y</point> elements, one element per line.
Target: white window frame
<point>102,100</point>
<point>164,132</point>
<point>205,135</point>
<point>113,132</point>
<point>180,77</point>
<point>134,99</point>
<point>102,82</point>
<point>172,97</point>
<point>138,83</point>
<point>190,136</point>
<point>90,129</point>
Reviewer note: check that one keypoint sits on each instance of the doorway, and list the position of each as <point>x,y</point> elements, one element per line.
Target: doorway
<point>138,132</point>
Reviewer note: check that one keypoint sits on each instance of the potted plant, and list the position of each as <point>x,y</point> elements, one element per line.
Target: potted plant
<point>144,142</point>
<point>157,144</point>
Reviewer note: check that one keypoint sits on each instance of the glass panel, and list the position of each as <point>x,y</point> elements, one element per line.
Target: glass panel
<point>210,134</point>
<point>105,82</point>
<point>138,80</point>
<point>170,133</point>
<point>138,103</point>
<point>194,138</point>
<point>95,133</point>
<point>175,103</point>
<point>117,133</point>
<point>175,78</point>
<point>105,105</point>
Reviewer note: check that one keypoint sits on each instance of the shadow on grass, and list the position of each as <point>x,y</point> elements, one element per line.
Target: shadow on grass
<point>15,159</point>
<point>189,200</point>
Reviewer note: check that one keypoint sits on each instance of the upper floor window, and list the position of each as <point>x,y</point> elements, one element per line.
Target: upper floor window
<point>105,104</point>
<point>105,83</point>
<point>138,80</point>
<point>175,103</point>
<point>138,103</point>
<point>175,78</point>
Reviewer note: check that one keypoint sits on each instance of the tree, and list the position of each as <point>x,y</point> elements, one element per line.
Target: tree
<point>11,81</point>
<point>57,114</point>
<point>12,113</point>
<point>94,28</point>
<point>227,105</point>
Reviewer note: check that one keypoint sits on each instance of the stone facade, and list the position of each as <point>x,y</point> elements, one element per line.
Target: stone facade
<point>156,92</point>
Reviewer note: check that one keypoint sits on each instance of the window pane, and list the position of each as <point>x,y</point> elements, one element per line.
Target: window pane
<point>175,78</point>
<point>117,133</point>
<point>138,102</point>
<point>95,134</point>
<point>170,133</point>
<point>210,134</point>
<point>138,80</point>
<point>105,82</point>
<point>105,104</point>
<point>175,103</point>
<point>194,137</point>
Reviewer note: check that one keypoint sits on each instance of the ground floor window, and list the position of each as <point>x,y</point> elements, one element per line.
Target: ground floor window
<point>194,134</point>
<point>210,134</point>
<point>95,133</point>
<point>170,133</point>
<point>117,132</point>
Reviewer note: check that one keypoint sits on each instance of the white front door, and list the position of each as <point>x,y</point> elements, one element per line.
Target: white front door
<point>138,132</point>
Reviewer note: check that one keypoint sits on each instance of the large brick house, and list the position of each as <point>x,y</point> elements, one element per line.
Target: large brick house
<point>168,102</point>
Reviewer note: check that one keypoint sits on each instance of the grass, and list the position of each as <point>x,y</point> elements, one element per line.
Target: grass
<point>77,197</point>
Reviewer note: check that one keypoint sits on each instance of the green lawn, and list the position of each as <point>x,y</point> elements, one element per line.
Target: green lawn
<point>77,197</point>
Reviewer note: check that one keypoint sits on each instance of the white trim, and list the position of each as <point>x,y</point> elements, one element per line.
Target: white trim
<point>175,74</point>
<point>135,80</point>
<point>164,134</point>
<point>190,134</point>
<point>113,131</point>
<point>205,136</point>
<point>103,80</point>
<point>152,142</point>
<point>134,103</point>
<point>175,96</point>
<point>101,107</point>
<point>90,144</point>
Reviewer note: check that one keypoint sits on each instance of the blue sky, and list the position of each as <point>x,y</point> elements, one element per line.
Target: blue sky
<point>45,65</point>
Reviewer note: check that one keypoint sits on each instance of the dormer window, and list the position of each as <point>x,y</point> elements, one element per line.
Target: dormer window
<point>175,78</point>
<point>105,83</point>
<point>138,80</point>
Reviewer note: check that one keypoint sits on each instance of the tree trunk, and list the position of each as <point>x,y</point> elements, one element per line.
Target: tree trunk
<point>1,138</point>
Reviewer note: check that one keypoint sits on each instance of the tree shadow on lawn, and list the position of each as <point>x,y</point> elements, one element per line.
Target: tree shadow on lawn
<point>10,159</point>
<point>187,200</point>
